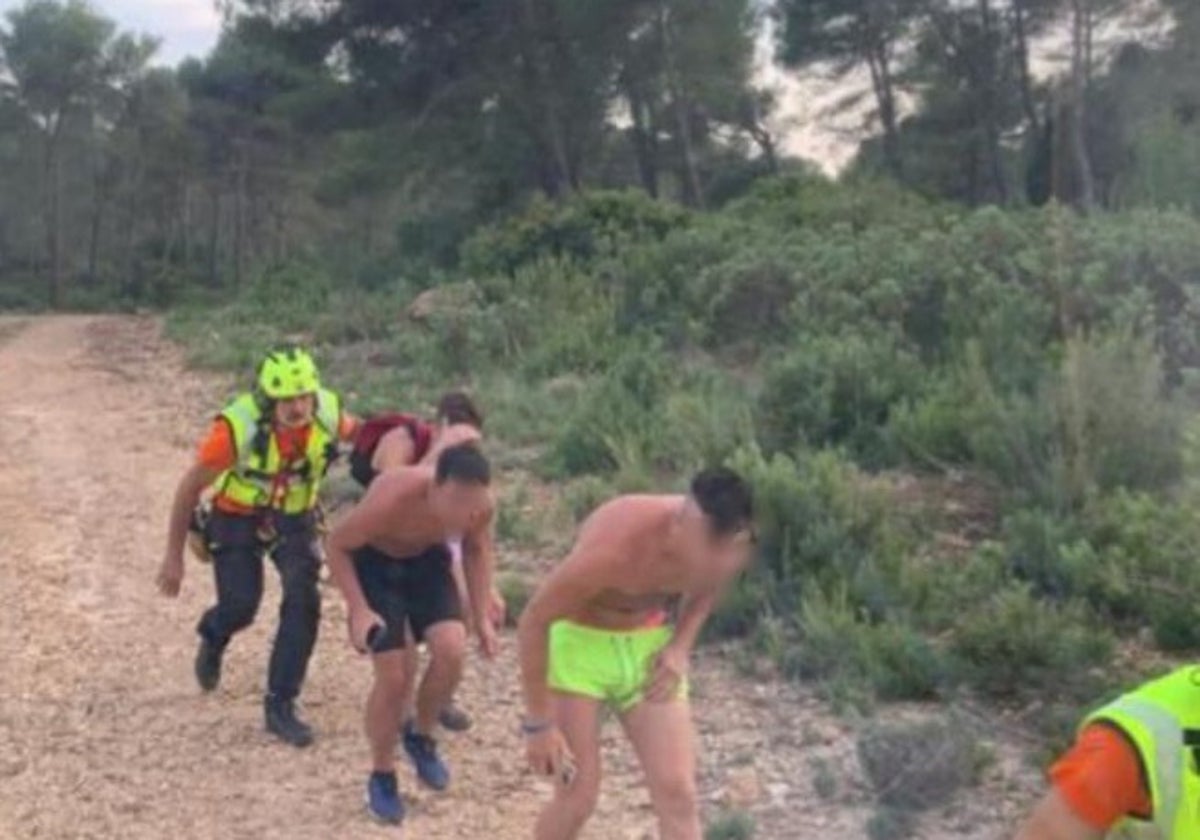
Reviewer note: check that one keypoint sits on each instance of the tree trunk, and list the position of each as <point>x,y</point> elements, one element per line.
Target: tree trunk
<point>693,192</point>
<point>185,223</point>
<point>644,151</point>
<point>885,100</point>
<point>99,198</point>
<point>543,121</point>
<point>1089,25</point>
<point>564,133</point>
<point>279,217</point>
<point>1025,75</point>
<point>94,236</point>
<point>214,235</point>
<point>991,82</point>
<point>1078,109</point>
<point>762,137</point>
<point>52,218</point>
<point>239,217</point>
<point>133,278</point>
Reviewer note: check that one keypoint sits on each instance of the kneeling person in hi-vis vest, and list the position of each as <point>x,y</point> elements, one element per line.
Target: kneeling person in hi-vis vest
<point>1133,772</point>
<point>263,459</point>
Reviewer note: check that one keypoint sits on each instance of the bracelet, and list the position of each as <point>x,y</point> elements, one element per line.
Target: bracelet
<point>535,727</point>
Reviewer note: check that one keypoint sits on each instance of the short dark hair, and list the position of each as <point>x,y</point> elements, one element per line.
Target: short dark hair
<point>725,498</point>
<point>457,407</point>
<point>463,463</point>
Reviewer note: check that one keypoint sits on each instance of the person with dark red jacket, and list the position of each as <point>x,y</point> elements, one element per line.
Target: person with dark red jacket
<point>387,442</point>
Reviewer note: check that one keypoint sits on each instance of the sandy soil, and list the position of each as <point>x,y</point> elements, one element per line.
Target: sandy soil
<point>103,733</point>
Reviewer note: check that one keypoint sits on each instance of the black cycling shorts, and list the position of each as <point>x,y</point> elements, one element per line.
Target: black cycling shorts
<point>416,591</point>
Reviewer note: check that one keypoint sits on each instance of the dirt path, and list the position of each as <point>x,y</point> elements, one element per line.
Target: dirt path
<point>103,733</point>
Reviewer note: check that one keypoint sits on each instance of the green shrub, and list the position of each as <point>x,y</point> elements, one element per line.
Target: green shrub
<point>885,660</point>
<point>617,418</point>
<point>914,766</point>
<point>707,420</point>
<point>1040,551</point>
<point>525,414</point>
<point>837,390</point>
<point>516,590</point>
<point>731,825</point>
<point>351,315</point>
<point>292,293</point>
<point>740,611</point>
<point>819,522</point>
<point>20,292</point>
<point>511,524</point>
<point>812,201</point>
<point>1119,430</point>
<point>585,227</point>
<point>584,495</point>
<point>891,824</point>
<point>750,294</point>
<point>1098,421</point>
<point>1140,555</point>
<point>825,780</point>
<point>1014,643</point>
<point>223,339</point>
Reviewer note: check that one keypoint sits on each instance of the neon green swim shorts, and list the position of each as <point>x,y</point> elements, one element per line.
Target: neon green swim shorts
<point>612,666</point>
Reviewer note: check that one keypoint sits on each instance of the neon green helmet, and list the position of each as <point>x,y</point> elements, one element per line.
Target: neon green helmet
<point>289,373</point>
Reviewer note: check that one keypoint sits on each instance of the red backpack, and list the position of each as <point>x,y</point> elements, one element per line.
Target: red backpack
<point>373,429</point>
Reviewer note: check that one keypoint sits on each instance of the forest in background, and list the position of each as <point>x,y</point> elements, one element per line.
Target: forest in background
<point>963,376</point>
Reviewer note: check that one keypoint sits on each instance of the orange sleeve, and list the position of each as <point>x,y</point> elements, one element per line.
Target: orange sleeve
<point>217,451</point>
<point>1100,778</point>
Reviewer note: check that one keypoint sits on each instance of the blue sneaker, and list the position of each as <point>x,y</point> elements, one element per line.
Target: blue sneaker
<point>422,749</point>
<point>383,798</point>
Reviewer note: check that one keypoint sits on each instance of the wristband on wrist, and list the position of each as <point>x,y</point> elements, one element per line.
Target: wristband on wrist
<point>535,727</point>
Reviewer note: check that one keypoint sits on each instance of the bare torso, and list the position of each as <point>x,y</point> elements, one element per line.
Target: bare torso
<point>408,525</point>
<point>642,578</point>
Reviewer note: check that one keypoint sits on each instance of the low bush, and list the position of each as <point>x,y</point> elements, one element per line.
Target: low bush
<point>837,391</point>
<point>914,766</point>
<point>731,825</point>
<point>820,523</point>
<point>884,661</point>
<point>1013,644</point>
<point>586,227</point>
<point>516,590</point>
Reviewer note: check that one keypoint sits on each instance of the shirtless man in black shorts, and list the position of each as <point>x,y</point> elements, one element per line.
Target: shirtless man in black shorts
<point>388,557</point>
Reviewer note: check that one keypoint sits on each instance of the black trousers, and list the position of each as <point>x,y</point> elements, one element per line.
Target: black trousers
<point>238,549</point>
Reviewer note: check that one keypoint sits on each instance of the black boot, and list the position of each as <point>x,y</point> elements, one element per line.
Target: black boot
<point>283,723</point>
<point>208,665</point>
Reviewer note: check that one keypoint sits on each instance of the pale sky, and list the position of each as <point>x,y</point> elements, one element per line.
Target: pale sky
<point>184,27</point>
<point>807,122</point>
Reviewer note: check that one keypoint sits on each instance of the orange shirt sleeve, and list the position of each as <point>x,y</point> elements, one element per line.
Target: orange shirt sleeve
<point>1100,778</point>
<point>217,451</point>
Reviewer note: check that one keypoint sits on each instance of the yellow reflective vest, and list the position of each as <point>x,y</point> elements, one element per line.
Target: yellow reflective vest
<point>1162,720</point>
<point>260,478</point>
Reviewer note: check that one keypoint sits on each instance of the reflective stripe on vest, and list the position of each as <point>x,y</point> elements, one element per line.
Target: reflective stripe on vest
<point>1155,718</point>
<point>259,479</point>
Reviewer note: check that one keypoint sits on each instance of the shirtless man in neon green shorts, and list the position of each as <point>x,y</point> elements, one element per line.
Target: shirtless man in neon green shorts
<point>595,634</point>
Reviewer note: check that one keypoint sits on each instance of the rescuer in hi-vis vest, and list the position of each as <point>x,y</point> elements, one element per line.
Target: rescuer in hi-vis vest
<point>262,462</point>
<point>1133,772</point>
